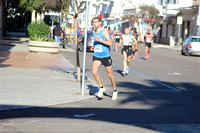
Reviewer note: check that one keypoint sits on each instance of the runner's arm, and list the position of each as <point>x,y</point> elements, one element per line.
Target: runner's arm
<point>135,41</point>
<point>120,41</point>
<point>107,36</point>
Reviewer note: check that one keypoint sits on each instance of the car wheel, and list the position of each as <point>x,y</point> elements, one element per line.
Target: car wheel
<point>182,52</point>
<point>187,52</point>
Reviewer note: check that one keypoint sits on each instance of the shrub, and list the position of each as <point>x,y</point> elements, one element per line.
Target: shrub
<point>38,31</point>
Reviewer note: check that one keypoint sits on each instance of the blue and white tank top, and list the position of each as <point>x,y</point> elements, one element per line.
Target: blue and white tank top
<point>126,40</point>
<point>100,50</point>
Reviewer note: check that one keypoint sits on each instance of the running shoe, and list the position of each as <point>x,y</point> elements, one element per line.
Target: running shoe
<point>127,69</point>
<point>124,72</point>
<point>136,53</point>
<point>101,91</point>
<point>146,57</point>
<point>133,57</point>
<point>114,97</point>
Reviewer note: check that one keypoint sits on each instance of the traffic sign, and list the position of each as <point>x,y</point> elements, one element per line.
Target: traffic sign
<point>179,20</point>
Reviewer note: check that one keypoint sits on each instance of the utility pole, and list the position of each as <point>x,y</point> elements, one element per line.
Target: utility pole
<point>85,41</point>
<point>198,21</point>
<point>179,22</point>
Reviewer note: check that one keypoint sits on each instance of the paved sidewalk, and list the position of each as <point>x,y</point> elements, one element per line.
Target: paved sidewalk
<point>159,45</point>
<point>37,79</point>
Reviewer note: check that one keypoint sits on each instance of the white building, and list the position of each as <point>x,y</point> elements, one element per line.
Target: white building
<point>170,11</point>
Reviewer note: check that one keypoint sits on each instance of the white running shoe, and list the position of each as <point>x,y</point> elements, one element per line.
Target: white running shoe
<point>115,93</point>
<point>101,91</point>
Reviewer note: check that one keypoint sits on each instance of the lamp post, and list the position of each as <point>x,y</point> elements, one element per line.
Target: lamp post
<point>85,41</point>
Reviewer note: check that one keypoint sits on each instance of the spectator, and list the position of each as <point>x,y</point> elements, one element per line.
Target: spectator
<point>57,33</point>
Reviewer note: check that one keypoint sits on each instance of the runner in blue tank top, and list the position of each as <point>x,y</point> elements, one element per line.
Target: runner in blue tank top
<point>102,42</point>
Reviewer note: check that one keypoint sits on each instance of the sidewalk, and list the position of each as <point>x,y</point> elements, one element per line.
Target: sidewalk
<point>37,79</point>
<point>159,45</point>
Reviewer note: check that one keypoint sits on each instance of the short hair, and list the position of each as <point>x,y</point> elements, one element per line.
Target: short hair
<point>98,18</point>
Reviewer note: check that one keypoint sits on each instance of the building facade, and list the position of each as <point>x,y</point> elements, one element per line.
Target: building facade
<point>170,10</point>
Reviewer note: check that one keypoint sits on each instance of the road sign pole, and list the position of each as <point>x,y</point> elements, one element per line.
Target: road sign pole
<point>198,21</point>
<point>179,22</point>
<point>84,54</point>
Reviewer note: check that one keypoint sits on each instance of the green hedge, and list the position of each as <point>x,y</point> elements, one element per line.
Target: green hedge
<point>38,31</point>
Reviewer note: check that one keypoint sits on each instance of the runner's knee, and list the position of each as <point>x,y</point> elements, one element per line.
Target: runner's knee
<point>95,72</point>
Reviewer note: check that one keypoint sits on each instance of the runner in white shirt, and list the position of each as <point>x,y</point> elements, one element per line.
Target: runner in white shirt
<point>127,41</point>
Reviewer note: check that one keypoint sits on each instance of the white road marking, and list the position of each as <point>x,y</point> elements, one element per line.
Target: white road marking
<point>84,116</point>
<point>175,74</point>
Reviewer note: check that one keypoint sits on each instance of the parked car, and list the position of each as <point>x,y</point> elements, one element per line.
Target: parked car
<point>89,42</point>
<point>191,45</point>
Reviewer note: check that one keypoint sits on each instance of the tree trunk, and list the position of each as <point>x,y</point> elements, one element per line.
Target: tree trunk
<point>78,69</point>
<point>33,16</point>
<point>42,17</point>
<point>38,17</point>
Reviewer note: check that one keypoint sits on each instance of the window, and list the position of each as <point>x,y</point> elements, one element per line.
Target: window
<point>164,2</point>
<point>195,40</point>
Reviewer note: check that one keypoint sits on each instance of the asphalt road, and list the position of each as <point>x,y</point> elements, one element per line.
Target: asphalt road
<point>161,94</point>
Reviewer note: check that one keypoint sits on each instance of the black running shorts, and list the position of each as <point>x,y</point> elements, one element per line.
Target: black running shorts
<point>117,40</point>
<point>128,50</point>
<point>148,45</point>
<point>107,61</point>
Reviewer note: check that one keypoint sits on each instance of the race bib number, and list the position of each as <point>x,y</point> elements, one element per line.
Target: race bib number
<point>98,48</point>
<point>148,40</point>
<point>117,36</point>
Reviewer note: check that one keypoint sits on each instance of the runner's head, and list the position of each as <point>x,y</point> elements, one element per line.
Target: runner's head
<point>126,31</point>
<point>148,31</point>
<point>97,22</point>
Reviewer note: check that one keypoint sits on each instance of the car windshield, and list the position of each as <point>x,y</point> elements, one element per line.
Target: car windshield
<point>195,40</point>
<point>89,33</point>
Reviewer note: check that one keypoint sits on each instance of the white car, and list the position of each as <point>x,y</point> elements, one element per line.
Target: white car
<point>191,45</point>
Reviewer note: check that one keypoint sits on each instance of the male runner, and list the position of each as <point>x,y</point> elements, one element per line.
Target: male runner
<point>135,46</point>
<point>117,39</point>
<point>101,56</point>
<point>148,40</point>
<point>127,41</point>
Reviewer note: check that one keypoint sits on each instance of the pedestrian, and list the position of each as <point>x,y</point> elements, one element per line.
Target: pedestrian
<point>67,32</point>
<point>127,41</point>
<point>101,56</point>
<point>117,39</point>
<point>57,32</point>
<point>78,32</point>
<point>148,40</point>
<point>135,45</point>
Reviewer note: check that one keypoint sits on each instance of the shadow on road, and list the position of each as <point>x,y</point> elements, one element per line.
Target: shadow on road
<point>153,107</point>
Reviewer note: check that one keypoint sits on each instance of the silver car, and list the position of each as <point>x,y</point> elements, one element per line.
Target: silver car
<point>90,41</point>
<point>191,45</point>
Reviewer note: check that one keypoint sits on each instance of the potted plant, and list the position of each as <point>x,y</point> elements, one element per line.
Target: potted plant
<point>39,35</point>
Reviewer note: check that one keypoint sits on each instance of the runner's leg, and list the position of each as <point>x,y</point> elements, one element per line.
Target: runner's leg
<point>95,66</point>
<point>111,76</point>
<point>128,60</point>
<point>124,60</point>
